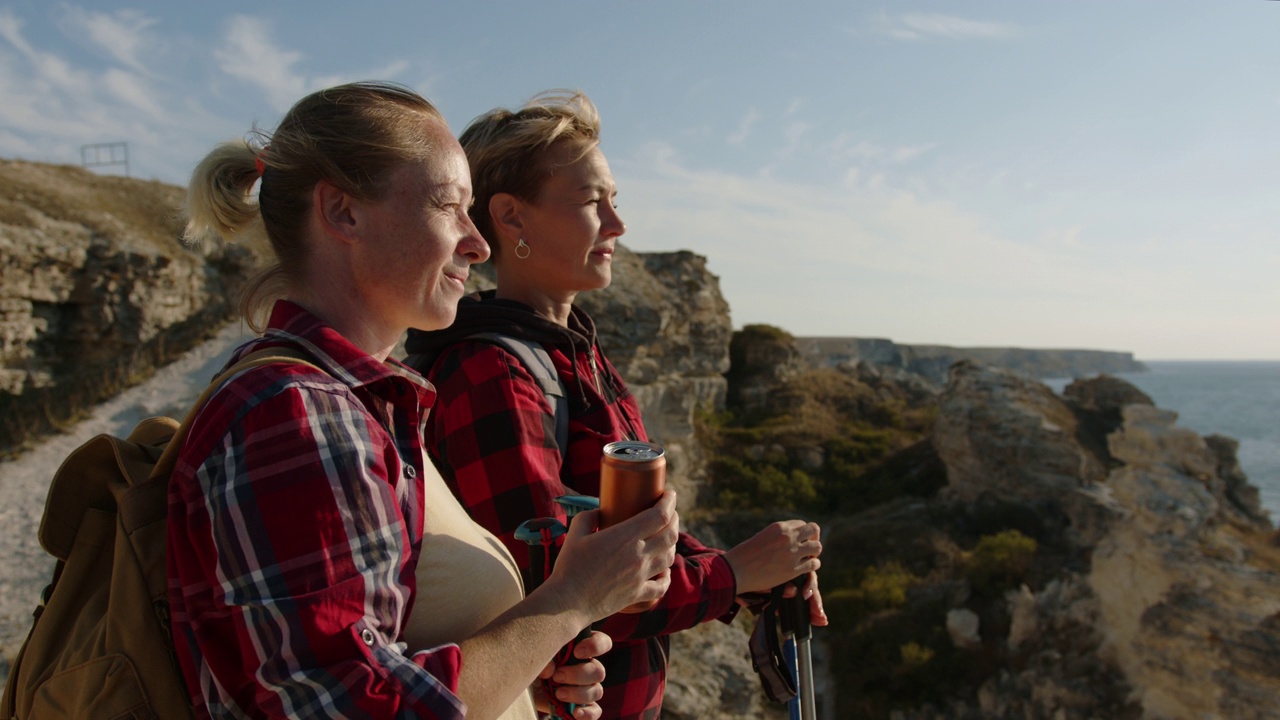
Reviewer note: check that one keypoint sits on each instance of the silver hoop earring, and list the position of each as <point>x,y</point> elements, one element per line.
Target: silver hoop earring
<point>522,246</point>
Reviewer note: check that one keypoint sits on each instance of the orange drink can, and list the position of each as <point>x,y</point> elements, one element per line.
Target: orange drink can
<point>633,475</point>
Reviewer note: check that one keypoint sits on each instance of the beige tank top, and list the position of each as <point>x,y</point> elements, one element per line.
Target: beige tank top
<point>466,578</point>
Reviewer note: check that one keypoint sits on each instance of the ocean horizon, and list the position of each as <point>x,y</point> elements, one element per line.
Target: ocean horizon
<point>1236,398</point>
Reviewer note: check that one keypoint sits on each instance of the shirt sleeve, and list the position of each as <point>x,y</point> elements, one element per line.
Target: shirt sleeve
<point>493,432</point>
<point>294,560</point>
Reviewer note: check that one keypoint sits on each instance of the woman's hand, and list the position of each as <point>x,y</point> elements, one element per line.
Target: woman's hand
<point>603,572</point>
<point>578,684</point>
<point>776,554</point>
<point>817,615</point>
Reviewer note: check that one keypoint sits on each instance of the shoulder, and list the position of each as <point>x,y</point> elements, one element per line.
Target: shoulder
<point>475,361</point>
<point>283,399</point>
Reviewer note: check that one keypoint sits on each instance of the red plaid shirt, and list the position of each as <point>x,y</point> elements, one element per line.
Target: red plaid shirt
<point>492,433</point>
<point>294,528</point>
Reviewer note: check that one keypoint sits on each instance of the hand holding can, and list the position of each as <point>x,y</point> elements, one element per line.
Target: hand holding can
<point>633,475</point>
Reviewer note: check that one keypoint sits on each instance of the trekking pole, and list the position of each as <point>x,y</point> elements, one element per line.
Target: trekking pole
<point>574,504</point>
<point>540,534</point>
<point>797,629</point>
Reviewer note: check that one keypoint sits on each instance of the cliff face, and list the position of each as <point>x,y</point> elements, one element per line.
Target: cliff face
<point>666,327</point>
<point>932,361</point>
<point>1172,581</point>
<point>95,289</point>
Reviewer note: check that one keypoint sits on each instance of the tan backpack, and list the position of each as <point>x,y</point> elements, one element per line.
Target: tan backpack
<point>100,645</point>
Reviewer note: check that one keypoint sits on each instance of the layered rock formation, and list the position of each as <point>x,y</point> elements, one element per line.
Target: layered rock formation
<point>932,361</point>
<point>95,289</point>
<point>1165,602</point>
<point>666,327</point>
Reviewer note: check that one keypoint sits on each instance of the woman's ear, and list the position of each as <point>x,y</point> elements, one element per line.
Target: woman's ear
<point>336,211</point>
<point>505,212</point>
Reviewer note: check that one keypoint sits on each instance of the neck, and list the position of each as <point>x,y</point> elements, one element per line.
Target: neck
<point>349,314</point>
<point>551,306</point>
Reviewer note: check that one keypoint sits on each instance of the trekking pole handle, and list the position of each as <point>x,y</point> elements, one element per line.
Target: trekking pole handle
<point>793,612</point>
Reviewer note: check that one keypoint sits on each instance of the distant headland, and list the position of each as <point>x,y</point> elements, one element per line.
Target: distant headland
<point>932,361</point>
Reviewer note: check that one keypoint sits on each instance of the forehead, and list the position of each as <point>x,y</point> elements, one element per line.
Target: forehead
<point>568,165</point>
<point>446,165</point>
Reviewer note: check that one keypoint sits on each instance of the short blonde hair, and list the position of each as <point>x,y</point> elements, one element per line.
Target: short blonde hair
<point>508,150</point>
<point>352,136</point>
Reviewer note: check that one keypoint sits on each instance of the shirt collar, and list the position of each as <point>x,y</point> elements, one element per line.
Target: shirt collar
<point>293,324</point>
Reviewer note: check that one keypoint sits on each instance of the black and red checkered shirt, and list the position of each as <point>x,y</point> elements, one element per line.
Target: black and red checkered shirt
<point>492,433</point>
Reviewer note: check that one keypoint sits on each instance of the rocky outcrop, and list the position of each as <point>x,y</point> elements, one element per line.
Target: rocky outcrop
<point>666,327</point>
<point>932,361</point>
<point>763,361</point>
<point>1171,608</point>
<point>96,289</point>
<point>711,677</point>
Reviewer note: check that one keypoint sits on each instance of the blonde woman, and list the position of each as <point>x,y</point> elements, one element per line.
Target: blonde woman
<point>545,202</point>
<point>302,500</point>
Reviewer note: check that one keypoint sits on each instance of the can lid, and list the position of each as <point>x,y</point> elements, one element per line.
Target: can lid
<point>633,451</point>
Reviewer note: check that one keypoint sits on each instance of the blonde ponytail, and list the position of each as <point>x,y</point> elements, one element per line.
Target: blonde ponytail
<point>219,200</point>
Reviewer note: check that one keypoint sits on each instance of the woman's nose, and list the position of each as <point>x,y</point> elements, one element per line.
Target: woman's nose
<point>473,245</point>
<point>611,222</point>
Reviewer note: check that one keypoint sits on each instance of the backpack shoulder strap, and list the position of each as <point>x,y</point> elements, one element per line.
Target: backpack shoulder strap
<point>537,361</point>
<point>269,356</point>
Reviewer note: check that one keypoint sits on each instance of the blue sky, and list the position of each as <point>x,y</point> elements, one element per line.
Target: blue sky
<point>1092,173</point>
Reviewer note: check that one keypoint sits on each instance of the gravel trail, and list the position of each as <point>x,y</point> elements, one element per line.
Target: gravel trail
<point>24,481</point>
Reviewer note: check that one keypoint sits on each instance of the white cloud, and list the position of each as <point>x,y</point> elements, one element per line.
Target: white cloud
<point>123,35</point>
<point>135,92</point>
<point>55,104</point>
<point>794,134</point>
<point>920,26</point>
<point>250,55</point>
<point>744,127</point>
<point>878,255</point>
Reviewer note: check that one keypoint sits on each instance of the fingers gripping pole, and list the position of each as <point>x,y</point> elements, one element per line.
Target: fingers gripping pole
<point>541,535</point>
<point>796,627</point>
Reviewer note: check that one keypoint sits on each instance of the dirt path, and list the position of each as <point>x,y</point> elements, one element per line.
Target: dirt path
<point>24,481</point>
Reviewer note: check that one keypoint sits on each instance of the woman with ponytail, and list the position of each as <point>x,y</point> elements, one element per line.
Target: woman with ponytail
<point>302,500</point>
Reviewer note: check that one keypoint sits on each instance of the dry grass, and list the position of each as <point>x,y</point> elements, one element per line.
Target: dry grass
<point>113,207</point>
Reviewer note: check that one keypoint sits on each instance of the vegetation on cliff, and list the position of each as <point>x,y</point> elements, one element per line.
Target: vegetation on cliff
<point>981,539</point>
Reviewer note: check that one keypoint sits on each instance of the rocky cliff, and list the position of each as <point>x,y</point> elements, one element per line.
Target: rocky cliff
<point>95,290</point>
<point>1134,574</point>
<point>932,361</point>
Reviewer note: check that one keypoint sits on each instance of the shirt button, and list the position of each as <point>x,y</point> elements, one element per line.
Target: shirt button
<point>367,636</point>
<point>409,472</point>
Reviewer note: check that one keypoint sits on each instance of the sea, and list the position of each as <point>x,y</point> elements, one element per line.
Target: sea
<point>1234,398</point>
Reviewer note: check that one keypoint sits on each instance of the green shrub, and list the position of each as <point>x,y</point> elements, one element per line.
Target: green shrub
<point>1000,560</point>
<point>915,655</point>
<point>882,587</point>
<point>740,486</point>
